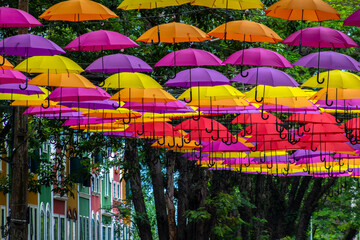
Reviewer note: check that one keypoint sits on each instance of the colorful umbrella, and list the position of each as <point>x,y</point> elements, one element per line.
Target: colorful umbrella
<point>229,4</point>
<point>11,76</point>
<point>61,80</point>
<point>12,17</point>
<point>353,19</point>
<point>149,4</point>
<point>130,80</point>
<point>78,94</point>
<point>99,41</point>
<point>77,10</point>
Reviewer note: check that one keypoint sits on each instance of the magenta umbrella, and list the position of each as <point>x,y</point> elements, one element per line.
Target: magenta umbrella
<point>50,110</point>
<point>100,40</point>
<point>220,146</point>
<point>353,19</point>
<point>189,57</point>
<point>116,63</point>
<point>78,94</point>
<point>12,17</point>
<point>11,76</point>
<point>97,104</point>
<point>86,121</point>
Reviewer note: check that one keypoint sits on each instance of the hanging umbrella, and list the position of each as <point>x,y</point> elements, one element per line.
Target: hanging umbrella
<point>77,10</point>
<point>6,64</point>
<point>12,17</point>
<point>78,94</point>
<point>11,76</point>
<point>353,19</point>
<point>61,80</point>
<point>173,33</point>
<point>14,89</point>
<point>189,57</point>
<point>118,63</point>
<point>334,79</point>
<point>48,64</point>
<point>246,31</point>
<point>229,4</point>
<point>215,92</point>
<point>99,41</point>
<point>93,104</point>
<point>266,76</point>
<point>130,80</point>
<point>324,118</point>
<point>143,95</point>
<point>198,77</point>
<point>149,4</point>
<point>178,142</point>
<point>273,92</point>
<point>21,97</point>
<point>329,60</point>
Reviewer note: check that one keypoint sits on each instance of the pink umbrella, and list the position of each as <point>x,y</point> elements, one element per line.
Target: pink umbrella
<point>353,19</point>
<point>11,76</point>
<point>12,17</point>
<point>78,94</point>
<point>99,41</point>
<point>189,57</point>
<point>50,110</point>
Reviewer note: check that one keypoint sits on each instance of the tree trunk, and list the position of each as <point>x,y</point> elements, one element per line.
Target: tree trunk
<point>133,169</point>
<point>170,156</point>
<point>19,166</point>
<point>153,161</point>
<point>182,196</point>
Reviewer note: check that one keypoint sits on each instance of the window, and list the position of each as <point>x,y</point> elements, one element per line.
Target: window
<point>32,227</point>
<point>42,224</point>
<point>74,230</point>
<point>97,184</point>
<point>98,229</point>
<point>69,229</point>
<point>56,228</point>
<point>114,189</point>
<point>106,179</point>
<point>104,233</point>
<point>109,233</point>
<point>62,228</point>
<point>118,190</point>
<point>3,218</point>
<point>48,226</point>
<point>93,228</point>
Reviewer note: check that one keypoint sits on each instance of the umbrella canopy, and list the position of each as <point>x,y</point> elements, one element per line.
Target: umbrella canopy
<point>175,143</point>
<point>12,17</point>
<point>201,124</point>
<point>336,93</point>
<point>49,64</point>
<point>255,118</point>
<point>189,57</point>
<point>78,94</point>
<point>13,88</point>
<point>27,45</point>
<point>174,33</point>
<point>99,104</point>
<point>334,79</point>
<point>118,63</point>
<point>77,10</point>
<point>329,60</point>
<point>324,118</point>
<point>146,95</point>
<point>150,4</point>
<point>11,76</point>
<point>353,19</point>
<point>229,4</point>
<point>273,92</point>
<point>7,65</point>
<point>100,40</point>
<point>266,76</point>
<point>130,80</point>
<point>61,80</point>
<point>246,31</point>
<point>322,37</point>
<point>258,57</point>
<point>198,77</point>
<point>303,10</point>
<point>220,146</point>
<point>215,92</point>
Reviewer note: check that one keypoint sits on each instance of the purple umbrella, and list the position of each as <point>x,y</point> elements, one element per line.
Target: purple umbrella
<point>60,115</point>
<point>86,121</point>
<point>28,45</point>
<point>329,60</point>
<point>50,110</point>
<point>353,19</point>
<point>78,94</point>
<point>98,104</point>
<point>12,17</point>
<point>198,77</point>
<point>11,76</point>
<point>265,76</point>
<point>116,63</point>
<point>100,40</point>
<point>320,37</point>
<point>189,57</point>
<point>14,89</point>
<point>151,106</point>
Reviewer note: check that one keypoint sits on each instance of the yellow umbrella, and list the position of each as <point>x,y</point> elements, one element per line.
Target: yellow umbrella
<point>130,80</point>
<point>173,33</point>
<point>336,93</point>
<point>334,79</point>
<point>273,92</point>
<point>149,4</point>
<point>229,102</point>
<point>62,80</point>
<point>120,113</point>
<point>10,96</point>
<point>294,102</point>
<point>215,92</point>
<point>7,65</point>
<point>77,10</point>
<point>229,4</point>
<point>49,64</point>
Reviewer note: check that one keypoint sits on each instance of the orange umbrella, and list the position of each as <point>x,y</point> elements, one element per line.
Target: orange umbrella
<point>175,143</point>
<point>62,80</point>
<point>173,33</point>
<point>143,95</point>
<point>245,30</point>
<point>33,103</point>
<point>303,10</point>
<point>77,10</point>
<point>7,65</point>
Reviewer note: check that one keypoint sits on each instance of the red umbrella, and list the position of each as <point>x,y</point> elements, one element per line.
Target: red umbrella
<point>250,118</point>
<point>324,118</point>
<point>201,124</point>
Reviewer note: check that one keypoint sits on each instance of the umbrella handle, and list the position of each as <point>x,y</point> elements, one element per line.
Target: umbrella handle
<point>254,149</point>
<point>263,116</point>
<point>284,136</point>
<point>312,147</point>
<point>271,162</point>
<point>172,145</point>
<point>242,73</point>
<point>26,85</point>
<point>129,119</point>
<point>114,106</point>
<point>256,93</point>
<point>161,144</point>
<point>327,101</point>
<point>197,118</point>
<point>142,131</point>
<point>182,143</point>
<point>102,84</point>
<point>217,136</point>
<point>46,107</point>
<point>306,130</point>
<point>279,128</point>
<point>191,97</point>
<point>187,142</point>
<point>320,81</point>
